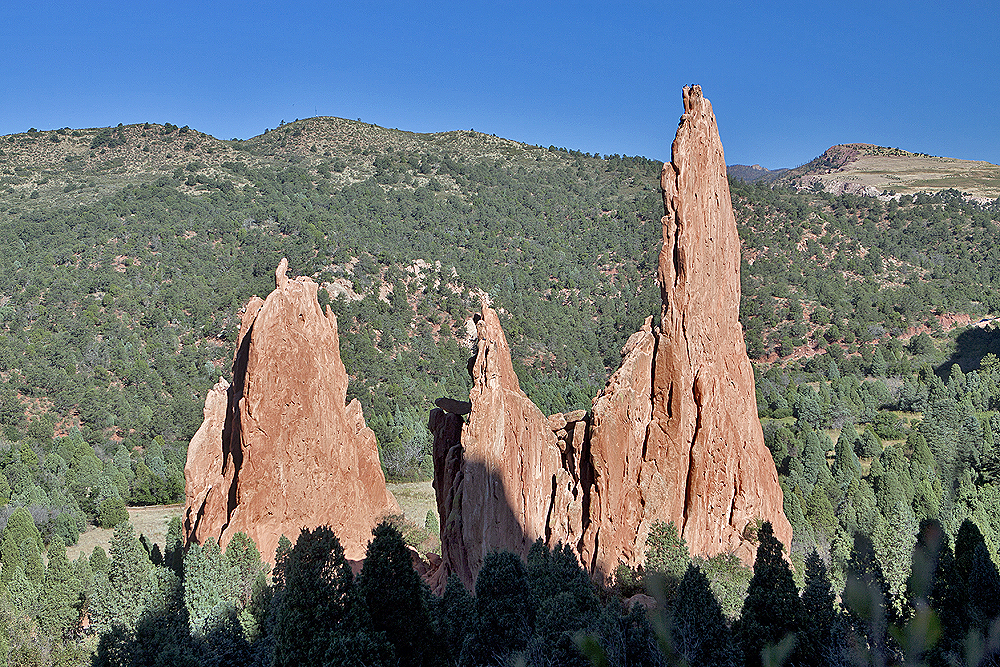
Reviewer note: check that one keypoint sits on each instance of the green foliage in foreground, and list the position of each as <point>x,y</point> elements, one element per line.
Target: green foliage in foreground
<point>542,611</point>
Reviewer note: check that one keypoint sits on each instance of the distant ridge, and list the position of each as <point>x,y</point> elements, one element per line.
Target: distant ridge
<point>754,173</point>
<point>880,171</point>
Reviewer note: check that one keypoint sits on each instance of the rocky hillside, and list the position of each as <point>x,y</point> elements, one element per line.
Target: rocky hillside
<point>879,171</point>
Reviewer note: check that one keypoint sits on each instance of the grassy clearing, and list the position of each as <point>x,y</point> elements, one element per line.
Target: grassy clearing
<point>415,499</point>
<point>149,521</point>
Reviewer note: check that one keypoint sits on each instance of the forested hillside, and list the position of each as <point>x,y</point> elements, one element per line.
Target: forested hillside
<point>126,254</point>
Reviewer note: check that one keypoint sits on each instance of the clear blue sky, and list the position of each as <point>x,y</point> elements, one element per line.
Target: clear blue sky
<point>787,79</point>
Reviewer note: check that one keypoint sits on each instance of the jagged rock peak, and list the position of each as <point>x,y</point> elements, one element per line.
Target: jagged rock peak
<point>284,450</point>
<point>501,477</point>
<point>675,434</point>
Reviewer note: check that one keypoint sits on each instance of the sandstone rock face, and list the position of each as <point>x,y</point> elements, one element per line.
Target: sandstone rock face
<point>284,451</point>
<point>675,434</point>
<point>500,478</point>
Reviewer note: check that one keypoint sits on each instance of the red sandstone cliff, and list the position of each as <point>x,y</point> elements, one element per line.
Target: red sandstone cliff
<point>279,449</point>
<point>674,435</point>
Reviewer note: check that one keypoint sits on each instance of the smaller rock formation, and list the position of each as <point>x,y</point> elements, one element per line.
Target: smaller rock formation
<point>500,478</point>
<point>283,450</point>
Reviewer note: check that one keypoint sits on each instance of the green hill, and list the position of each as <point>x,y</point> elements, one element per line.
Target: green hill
<point>127,252</point>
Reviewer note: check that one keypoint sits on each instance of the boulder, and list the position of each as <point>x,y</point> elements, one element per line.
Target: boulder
<point>290,452</point>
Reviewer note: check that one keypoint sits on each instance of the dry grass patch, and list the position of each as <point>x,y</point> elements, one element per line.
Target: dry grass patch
<point>149,521</point>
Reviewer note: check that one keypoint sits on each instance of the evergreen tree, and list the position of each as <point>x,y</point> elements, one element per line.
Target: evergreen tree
<point>208,588</point>
<point>566,599</point>
<point>772,609</point>
<point>505,611</point>
<point>249,583</point>
<point>846,466</point>
<point>454,615</point>
<point>98,560</point>
<point>21,545</point>
<point>666,557</point>
<point>126,588</point>
<point>319,618</point>
<point>173,556</point>
<point>280,557</point>
<point>857,510</point>
<point>697,628</point>
<point>820,512</point>
<point>869,446</point>
<point>816,641</point>
<point>979,574</point>
<point>395,598</point>
<point>58,600</point>
<point>935,579</point>
<point>865,599</point>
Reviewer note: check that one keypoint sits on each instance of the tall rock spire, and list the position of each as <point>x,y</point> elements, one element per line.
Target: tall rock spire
<point>674,436</point>
<point>679,439</point>
<point>281,449</point>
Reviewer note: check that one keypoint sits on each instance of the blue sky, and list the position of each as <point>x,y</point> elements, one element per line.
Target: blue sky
<point>787,79</point>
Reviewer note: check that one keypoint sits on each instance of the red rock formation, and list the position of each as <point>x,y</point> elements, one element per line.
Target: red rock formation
<point>291,454</point>
<point>675,434</point>
<point>500,478</point>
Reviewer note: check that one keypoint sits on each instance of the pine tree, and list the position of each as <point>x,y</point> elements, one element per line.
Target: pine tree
<point>280,558</point>
<point>820,512</point>
<point>772,608</point>
<point>819,614</point>
<point>173,556</point>
<point>567,602</point>
<point>454,615</point>
<point>505,611</point>
<point>124,590</point>
<point>249,583</point>
<point>869,446</point>
<point>319,617</point>
<point>58,599</point>
<point>666,558</point>
<point>697,628</point>
<point>21,544</point>
<point>935,580</point>
<point>865,601</point>
<point>394,595</point>
<point>979,574</point>
<point>208,588</point>
<point>846,466</point>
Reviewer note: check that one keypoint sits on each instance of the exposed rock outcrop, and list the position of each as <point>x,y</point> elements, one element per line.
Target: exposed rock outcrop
<point>674,436</point>
<point>283,450</point>
<point>500,478</point>
<point>679,439</point>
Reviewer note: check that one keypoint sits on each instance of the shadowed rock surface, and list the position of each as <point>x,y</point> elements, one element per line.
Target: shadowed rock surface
<point>288,452</point>
<point>500,477</point>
